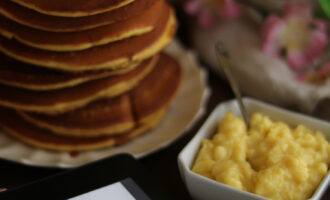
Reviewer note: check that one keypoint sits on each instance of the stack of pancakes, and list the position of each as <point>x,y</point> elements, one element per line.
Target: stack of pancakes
<point>78,75</point>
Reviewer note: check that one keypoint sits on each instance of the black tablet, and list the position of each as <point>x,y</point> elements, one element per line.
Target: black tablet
<point>120,177</point>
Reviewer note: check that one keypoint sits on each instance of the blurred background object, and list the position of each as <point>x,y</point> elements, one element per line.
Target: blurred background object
<point>280,49</point>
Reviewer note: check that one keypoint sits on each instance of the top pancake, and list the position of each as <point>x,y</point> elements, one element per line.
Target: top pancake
<point>40,21</point>
<point>79,40</point>
<point>72,8</point>
<point>109,56</point>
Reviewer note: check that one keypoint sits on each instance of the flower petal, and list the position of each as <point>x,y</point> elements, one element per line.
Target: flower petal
<point>271,23</point>
<point>318,41</point>
<point>320,25</point>
<point>270,32</point>
<point>297,59</point>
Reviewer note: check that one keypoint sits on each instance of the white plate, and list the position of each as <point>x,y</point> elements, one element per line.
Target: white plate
<point>201,187</point>
<point>186,108</point>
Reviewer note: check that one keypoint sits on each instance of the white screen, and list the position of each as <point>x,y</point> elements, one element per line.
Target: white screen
<point>113,191</point>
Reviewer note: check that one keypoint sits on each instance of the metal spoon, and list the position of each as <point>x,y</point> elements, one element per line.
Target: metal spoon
<point>224,64</point>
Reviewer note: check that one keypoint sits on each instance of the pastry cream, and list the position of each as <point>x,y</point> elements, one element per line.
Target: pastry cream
<point>270,159</point>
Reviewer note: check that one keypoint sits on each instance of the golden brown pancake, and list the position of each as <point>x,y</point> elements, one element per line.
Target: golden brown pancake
<point>109,56</point>
<point>56,101</point>
<point>72,8</point>
<point>79,40</point>
<point>40,21</point>
<point>34,135</point>
<point>157,89</point>
<point>102,117</point>
<point>15,73</point>
<point>115,115</point>
<point>16,126</point>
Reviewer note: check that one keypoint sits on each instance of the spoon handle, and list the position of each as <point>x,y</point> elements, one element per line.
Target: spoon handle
<point>223,59</point>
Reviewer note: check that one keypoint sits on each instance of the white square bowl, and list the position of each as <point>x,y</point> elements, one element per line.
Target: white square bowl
<point>203,188</point>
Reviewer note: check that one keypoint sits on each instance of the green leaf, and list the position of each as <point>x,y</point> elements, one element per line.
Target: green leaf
<point>319,14</point>
<point>325,4</point>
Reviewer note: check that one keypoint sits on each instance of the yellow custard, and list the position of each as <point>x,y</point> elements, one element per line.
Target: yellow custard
<point>270,159</point>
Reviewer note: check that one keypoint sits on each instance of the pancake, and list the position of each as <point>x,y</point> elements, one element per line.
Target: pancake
<point>109,56</point>
<point>107,116</point>
<point>102,117</point>
<point>33,135</point>
<point>72,8</point>
<point>40,21</point>
<point>31,77</point>
<point>79,40</point>
<point>56,101</point>
<point>157,89</point>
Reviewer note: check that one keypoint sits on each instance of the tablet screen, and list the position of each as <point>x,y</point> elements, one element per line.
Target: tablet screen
<point>125,189</point>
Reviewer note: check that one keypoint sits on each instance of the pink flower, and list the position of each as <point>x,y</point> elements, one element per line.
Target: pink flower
<point>206,10</point>
<point>297,36</point>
